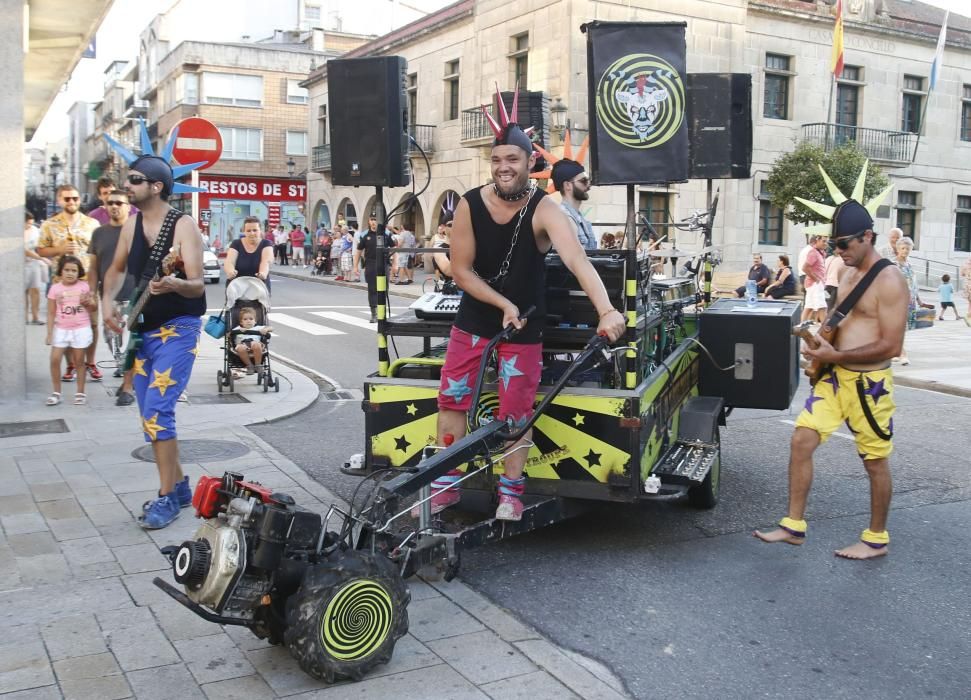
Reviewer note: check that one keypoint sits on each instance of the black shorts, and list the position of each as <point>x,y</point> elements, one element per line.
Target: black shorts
<point>946,304</point>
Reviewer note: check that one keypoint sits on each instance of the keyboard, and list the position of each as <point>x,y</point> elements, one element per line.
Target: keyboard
<point>436,306</point>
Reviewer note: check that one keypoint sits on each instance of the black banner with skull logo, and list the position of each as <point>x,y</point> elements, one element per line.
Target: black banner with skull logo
<point>637,95</point>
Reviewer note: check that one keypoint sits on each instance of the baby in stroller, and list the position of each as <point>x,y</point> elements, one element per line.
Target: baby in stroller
<point>248,340</point>
<point>321,264</point>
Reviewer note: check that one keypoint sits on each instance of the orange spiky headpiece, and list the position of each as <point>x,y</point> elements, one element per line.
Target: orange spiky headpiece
<point>551,160</point>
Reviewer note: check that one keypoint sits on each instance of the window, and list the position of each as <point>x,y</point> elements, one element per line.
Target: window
<point>241,144</point>
<point>191,88</point>
<point>770,220</point>
<point>452,90</point>
<point>966,114</point>
<point>296,95</point>
<point>655,207</point>
<point>776,96</point>
<point>412,98</point>
<point>296,143</point>
<point>519,60</point>
<point>311,13</point>
<point>913,99</point>
<point>232,89</point>
<point>962,225</point>
<point>322,136</point>
<point>907,210</point>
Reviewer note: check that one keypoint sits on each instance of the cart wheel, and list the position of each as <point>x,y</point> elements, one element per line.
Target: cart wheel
<point>259,376</point>
<point>347,615</point>
<point>266,385</point>
<point>219,380</point>
<point>230,381</point>
<point>705,495</point>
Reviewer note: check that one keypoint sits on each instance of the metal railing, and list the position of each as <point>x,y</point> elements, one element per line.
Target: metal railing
<point>134,106</point>
<point>475,126</point>
<point>889,147</point>
<point>929,272</point>
<point>320,159</point>
<point>424,135</point>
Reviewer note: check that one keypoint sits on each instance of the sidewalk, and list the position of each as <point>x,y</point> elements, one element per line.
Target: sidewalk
<point>938,355</point>
<point>83,620</point>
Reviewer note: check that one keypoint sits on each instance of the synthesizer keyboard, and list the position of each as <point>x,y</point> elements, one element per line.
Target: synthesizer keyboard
<point>436,306</point>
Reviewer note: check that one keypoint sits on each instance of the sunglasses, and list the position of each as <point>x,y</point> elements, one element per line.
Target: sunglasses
<point>138,179</point>
<point>583,180</point>
<point>843,242</point>
<point>117,204</point>
<point>71,199</point>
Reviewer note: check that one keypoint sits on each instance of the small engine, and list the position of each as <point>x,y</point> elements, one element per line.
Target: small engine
<point>253,545</point>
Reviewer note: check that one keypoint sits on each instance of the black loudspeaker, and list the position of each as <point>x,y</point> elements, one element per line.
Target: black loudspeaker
<point>368,109</point>
<point>757,346</point>
<point>719,125</point>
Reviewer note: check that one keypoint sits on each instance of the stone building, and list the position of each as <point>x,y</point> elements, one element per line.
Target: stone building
<point>456,55</point>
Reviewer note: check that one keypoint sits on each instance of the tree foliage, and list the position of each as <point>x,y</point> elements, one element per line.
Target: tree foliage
<point>796,174</point>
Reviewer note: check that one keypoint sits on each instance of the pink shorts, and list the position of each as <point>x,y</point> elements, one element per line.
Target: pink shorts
<point>520,367</point>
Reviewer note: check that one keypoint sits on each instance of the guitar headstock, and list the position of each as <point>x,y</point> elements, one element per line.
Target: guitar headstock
<point>173,262</point>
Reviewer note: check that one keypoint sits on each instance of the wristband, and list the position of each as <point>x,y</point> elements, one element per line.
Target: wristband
<point>607,312</point>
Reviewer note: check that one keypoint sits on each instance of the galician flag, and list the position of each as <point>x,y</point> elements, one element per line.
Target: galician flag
<point>939,54</point>
<point>836,61</point>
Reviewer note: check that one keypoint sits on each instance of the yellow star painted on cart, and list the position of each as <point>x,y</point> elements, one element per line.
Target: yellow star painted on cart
<point>162,381</point>
<point>578,419</point>
<point>151,426</point>
<point>412,409</point>
<point>164,333</point>
<point>139,367</point>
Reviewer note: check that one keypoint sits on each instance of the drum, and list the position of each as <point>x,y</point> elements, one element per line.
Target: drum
<point>674,290</point>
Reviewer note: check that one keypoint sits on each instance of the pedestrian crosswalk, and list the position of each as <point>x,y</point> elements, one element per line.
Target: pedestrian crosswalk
<point>337,322</point>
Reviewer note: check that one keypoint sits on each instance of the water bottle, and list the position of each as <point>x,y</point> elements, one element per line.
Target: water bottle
<point>751,294</point>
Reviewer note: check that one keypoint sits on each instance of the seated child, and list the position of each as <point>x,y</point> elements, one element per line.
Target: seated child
<point>248,339</point>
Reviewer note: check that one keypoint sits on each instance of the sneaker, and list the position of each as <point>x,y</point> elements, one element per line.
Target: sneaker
<point>339,278</point>
<point>182,492</point>
<point>160,512</point>
<point>125,398</point>
<point>510,508</point>
<point>374,318</point>
<point>70,374</point>
<point>94,374</point>
<point>442,500</point>
<point>118,374</point>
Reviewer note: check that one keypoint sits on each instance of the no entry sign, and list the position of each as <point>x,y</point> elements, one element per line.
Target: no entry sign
<point>197,141</point>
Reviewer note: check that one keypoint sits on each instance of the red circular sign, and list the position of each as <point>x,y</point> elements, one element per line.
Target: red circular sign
<point>197,141</point>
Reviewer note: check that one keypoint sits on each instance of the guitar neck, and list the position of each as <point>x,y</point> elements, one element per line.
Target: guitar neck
<point>136,310</point>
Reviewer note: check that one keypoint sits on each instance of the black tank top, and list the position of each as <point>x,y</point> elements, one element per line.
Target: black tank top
<point>164,307</point>
<point>524,285</point>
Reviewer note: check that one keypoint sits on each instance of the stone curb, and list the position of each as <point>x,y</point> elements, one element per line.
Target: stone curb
<point>931,385</point>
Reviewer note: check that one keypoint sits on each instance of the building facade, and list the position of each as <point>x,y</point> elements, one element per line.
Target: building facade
<point>80,128</point>
<point>457,55</point>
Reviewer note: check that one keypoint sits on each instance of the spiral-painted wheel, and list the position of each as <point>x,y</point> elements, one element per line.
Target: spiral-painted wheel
<point>347,616</point>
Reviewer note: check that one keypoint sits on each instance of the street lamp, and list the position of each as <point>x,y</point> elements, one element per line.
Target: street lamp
<point>55,169</point>
<point>291,167</point>
<point>558,117</point>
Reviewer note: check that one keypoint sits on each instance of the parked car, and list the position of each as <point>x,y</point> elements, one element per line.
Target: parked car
<point>210,264</point>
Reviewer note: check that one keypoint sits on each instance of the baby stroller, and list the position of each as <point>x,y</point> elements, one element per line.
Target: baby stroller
<point>240,293</point>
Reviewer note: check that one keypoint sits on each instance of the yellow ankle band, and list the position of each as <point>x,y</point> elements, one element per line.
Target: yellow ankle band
<point>796,527</point>
<point>875,539</point>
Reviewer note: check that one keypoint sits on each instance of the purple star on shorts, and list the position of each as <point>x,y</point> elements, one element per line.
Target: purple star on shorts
<point>832,380</point>
<point>876,390</point>
<point>811,400</point>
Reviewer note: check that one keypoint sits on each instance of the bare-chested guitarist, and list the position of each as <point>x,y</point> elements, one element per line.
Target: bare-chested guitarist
<point>859,388</point>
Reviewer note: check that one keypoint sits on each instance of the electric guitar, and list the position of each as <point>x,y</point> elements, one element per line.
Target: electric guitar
<point>170,263</point>
<point>815,369</point>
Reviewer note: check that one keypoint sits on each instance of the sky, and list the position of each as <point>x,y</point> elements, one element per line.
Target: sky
<point>118,40</point>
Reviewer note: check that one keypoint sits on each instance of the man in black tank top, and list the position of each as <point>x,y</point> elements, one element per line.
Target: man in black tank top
<point>170,330</point>
<point>501,232</point>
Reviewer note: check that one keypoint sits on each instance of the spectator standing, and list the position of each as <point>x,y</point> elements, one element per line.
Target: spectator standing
<point>69,303</point>
<point>903,247</point>
<point>834,268</point>
<point>249,256</point>
<point>308,246</point>
<point>280,240</point>
<point>101,253</point>
<point>815,270</point>
<point>297,238</point>
<point>336,244</point>
<point>406,261</point>
<point>324,247</point>
<point>105,187</point>
<point>785,282</point>
<point>347,256</point>
<point>801,259</point>
<point>35,270</point>
<point>945,293</point>
<point>758,272</point>
<point>69,233</point>
<point>966,288</point>
<point>889,251</point>
<point>358,263</point>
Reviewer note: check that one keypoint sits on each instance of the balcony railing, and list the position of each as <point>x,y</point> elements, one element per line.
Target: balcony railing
<point>135,107</point>
<point>889,147</point>
<point>475,127</point>
<point>424,135</point>
<point>320,159</point>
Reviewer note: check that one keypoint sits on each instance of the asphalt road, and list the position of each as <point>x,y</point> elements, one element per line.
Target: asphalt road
<point>685,603</point>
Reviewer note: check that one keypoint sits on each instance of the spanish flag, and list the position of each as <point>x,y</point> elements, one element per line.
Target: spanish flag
<point>836,61</point>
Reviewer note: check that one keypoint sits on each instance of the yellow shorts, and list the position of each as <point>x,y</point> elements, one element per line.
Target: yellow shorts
<point>835,399</point>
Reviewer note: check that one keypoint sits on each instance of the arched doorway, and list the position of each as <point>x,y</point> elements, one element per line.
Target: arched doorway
<point>347,213</point>
<point>410,216</point>
<point>321,215</point>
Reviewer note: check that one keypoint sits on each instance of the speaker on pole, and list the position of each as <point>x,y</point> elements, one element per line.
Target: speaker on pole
<point>720,125</point>
<point>368,121</point>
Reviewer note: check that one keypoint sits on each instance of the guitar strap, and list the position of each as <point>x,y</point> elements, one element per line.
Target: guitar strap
<point>837,317</point>
<point>162,244</point>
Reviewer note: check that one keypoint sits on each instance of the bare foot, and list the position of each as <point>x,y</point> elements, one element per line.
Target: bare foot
<point>778,535</point>
<point>860,550</point>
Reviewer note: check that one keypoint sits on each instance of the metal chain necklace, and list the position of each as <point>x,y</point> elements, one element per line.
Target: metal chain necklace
<point>504,267</point>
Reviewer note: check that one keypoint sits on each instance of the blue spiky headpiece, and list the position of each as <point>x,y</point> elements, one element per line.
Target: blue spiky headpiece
<point>162,159</point>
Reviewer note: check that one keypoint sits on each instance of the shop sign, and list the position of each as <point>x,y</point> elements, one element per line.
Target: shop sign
<point>262,189</point>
